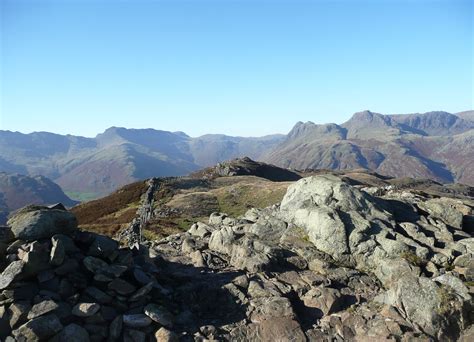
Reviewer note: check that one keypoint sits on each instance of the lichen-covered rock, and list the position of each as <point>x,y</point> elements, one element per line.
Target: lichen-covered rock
<point>449,210</point>
<point>12,271</point>
<point>34,223</point>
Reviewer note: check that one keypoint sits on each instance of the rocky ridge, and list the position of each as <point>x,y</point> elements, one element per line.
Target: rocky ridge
<point>332,262</point>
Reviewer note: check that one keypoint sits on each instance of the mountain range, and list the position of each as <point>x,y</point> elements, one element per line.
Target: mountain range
<point>435,145</point>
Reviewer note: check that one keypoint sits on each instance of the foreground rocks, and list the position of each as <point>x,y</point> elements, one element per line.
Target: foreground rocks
<point>61,284</point>
<point>333,262</point>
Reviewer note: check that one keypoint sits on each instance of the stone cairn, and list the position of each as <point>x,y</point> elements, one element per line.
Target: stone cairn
<point>58,283</point>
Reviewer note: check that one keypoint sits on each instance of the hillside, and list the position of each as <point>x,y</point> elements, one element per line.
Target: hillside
<point>180,201</point>
<point>94,167</point>
<point>17,191</point>
<point>435,145</point>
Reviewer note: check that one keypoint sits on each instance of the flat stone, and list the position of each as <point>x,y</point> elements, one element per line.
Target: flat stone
<point>42,308</point>
<point>85,309</point>
<point>10,273</point>
<point>142,292</point>
<point>121,286</point>
<point>137,320</point>
<point>39,329</point>
<point>99,295</point>
<point>159,314</point>
<point>115,328</point>
<point>93,264</point>
<point>114,271</point>
<point>73,333</point>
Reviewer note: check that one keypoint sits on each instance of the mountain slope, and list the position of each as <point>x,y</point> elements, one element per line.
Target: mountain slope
<point>17,190</point>
<point>435,145</point>
<point>432,145</point>
<point>120,156</point>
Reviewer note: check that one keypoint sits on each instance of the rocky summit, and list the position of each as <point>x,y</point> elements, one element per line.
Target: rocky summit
<point>334,261</point>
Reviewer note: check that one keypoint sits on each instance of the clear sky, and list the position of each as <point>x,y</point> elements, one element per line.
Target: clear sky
<point>236,67</point>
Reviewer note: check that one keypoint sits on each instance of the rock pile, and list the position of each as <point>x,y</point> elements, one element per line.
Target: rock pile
<point>61,284</point>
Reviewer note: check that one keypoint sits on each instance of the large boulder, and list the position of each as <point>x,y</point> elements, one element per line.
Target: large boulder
<point>342,221</point>
<point>35,222</point>
<point>330,191</point>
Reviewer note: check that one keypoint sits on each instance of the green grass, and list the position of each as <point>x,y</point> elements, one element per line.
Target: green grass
<point>82,196</point>
<point>151,235</point>
<point>235,201</point>
<point>413,259</point>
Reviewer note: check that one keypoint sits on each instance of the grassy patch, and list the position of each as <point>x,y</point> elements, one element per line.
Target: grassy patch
<point>237,199</point>
<point>91,212</point>
<point>413,259</point>
<point>151,235</point>
<point>446,297</point>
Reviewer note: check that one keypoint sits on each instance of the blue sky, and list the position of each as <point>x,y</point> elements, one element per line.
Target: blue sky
<point>236,67</point>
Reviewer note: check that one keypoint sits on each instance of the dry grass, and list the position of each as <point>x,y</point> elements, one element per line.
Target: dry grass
<point>90,212</point>
<point>193,202</point>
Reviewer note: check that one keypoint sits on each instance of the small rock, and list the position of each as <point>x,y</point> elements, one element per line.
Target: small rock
<point>142,292</point>
<point>39,329</point>
<point>159,314</point>
<point>137,320</point>
<point>9,273</point>
<point>42,308</point>
<point>102,246</point>
<point>115,328</point>
<point>165,335</point>
<point>73,333</point>
<point>121,286</point>
<point>93,264</point>
<point>85,309</point>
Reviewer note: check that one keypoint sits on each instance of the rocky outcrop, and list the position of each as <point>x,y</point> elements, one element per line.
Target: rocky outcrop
<point>247,167</point>
<point>333,261</point>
